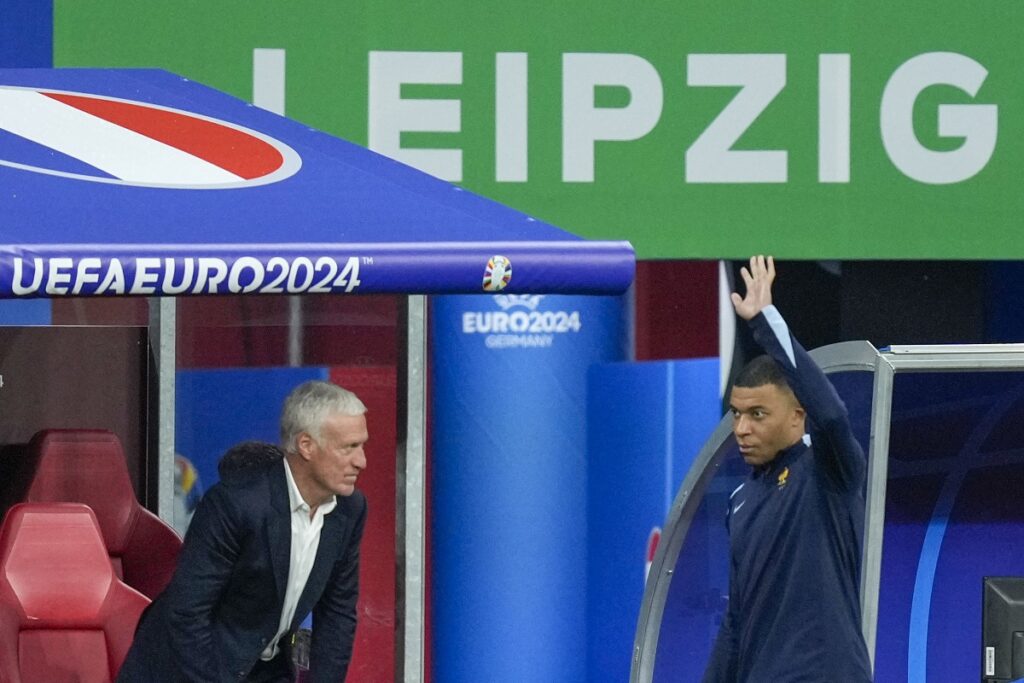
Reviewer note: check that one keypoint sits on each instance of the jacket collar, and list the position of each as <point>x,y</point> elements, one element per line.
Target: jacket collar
<point>279,530</point>
<point>784,459</point>
<point>279,527</point>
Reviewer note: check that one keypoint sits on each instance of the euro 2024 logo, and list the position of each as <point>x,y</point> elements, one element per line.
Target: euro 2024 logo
<point>519,323</point>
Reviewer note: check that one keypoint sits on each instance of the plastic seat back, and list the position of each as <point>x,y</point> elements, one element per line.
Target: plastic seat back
<point>88,466</point>
<point>64,615</point>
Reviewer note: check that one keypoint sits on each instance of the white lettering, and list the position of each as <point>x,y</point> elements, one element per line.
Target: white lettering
<point>235,277</point>
<point>977,124</point>
<point>114,280</point>
<point>510,117</point>
<point>584,123</point>
<point>349,278</point>
<point>188,272</point>
<point>711,159</point>
<point>86,274</point>
<point>834,118</point>
<point>390,115</point>
<point>147,274</point>
<point>210,273</point>
<point>18,286</point>
<point>59,276</point>
<point>509,341</point>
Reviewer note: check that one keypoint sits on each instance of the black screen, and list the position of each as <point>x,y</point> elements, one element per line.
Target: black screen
<point>1002,647</point>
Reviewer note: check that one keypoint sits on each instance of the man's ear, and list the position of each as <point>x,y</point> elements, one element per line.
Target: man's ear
<point>799,413</point>
<point>304,443</point>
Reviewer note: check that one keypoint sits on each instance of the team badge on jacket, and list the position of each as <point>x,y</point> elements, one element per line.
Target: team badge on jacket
<point>783,477</point>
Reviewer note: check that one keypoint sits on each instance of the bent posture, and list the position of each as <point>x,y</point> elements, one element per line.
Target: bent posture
<point>266,546</point>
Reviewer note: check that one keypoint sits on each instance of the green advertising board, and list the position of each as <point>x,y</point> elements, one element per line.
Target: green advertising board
<point>693,129</point>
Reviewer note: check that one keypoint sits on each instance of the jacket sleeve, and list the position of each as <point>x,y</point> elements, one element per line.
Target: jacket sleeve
<point>835,447</point>
<point>208,555</point>
<point>334,616</point>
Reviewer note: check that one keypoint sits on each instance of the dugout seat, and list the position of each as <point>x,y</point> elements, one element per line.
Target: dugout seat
<point>88,466</point>
<point>64,616</point>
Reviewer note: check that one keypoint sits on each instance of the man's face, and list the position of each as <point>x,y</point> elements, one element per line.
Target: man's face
<point>765,420</point>
<point>337,458</point>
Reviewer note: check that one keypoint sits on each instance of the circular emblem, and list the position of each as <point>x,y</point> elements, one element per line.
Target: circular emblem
<point>497,274</point>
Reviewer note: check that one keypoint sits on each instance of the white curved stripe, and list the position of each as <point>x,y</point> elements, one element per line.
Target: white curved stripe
<point>122,153</point>
<point>781,330</point>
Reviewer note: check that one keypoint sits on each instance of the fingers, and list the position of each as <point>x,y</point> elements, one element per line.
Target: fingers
<point>748,279</point>
<point>760,266</point>
<point>736,300</point>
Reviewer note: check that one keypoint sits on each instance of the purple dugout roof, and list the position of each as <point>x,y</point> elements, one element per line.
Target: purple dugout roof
<point>140,182</point>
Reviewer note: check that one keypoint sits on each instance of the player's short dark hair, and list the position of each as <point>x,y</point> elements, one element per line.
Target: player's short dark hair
<point>248,455</point>
<point>759,372</point>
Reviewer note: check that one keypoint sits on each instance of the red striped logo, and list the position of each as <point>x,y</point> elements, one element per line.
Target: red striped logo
<point>112,140</point>
<point>653,539</point>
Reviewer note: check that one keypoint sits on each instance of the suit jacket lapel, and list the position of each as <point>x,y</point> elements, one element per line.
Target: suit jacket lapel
<point>331,537</point>
<point>279,528</point>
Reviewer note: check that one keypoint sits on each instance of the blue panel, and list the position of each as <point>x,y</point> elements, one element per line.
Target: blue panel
<point>509,483</point>
<point>646,424</point>
<point>215,409</point>
<point>26,33</point>
<point>363,222</point>
<point>953,515</point>
<point>35,312</point>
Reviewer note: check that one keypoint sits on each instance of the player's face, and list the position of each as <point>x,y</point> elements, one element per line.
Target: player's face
<point>765,420</point>
<point>337,458</point>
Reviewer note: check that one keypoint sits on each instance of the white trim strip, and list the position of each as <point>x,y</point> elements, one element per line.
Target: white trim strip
<point>781,330</point>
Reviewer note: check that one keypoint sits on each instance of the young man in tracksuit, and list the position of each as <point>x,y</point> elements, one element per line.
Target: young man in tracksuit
<point>797,522</point>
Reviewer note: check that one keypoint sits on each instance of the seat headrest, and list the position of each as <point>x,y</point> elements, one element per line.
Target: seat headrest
<point>53,560</point>
<point>86,466</point>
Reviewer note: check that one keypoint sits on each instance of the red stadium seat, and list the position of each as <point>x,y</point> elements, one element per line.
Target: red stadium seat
<point>88,466</point>
<point>64,616</point>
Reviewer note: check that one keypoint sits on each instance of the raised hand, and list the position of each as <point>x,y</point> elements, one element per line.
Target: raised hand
<point>758,280</point>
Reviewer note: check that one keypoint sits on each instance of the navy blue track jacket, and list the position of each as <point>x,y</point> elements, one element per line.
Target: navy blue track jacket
<point>796,527</point>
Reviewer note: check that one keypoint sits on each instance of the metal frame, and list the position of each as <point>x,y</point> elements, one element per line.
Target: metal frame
<point>163,341</point>
<point>411,482</point>
<point>874,504</point>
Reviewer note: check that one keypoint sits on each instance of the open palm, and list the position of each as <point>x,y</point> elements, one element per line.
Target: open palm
<point>758,280</point>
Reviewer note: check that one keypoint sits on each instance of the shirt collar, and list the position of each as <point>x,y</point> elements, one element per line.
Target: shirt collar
<point>785,458</point>
<point>295,501</point>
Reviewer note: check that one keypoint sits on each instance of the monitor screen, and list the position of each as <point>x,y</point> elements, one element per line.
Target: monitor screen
<point>1002,647</point>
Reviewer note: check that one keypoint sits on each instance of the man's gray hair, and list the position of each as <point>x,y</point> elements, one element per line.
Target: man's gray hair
<point>309,404</point>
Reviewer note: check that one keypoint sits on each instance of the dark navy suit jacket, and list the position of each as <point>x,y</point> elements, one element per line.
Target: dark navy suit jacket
<point>223,605</point>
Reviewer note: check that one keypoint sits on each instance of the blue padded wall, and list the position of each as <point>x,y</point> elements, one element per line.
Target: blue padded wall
<point>646,422</point>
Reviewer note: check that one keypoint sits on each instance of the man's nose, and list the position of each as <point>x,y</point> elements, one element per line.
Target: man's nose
<point>741,425</point>
<point>360,460</point>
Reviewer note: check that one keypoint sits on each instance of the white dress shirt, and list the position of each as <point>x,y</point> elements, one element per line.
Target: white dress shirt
<point>305,541</point>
